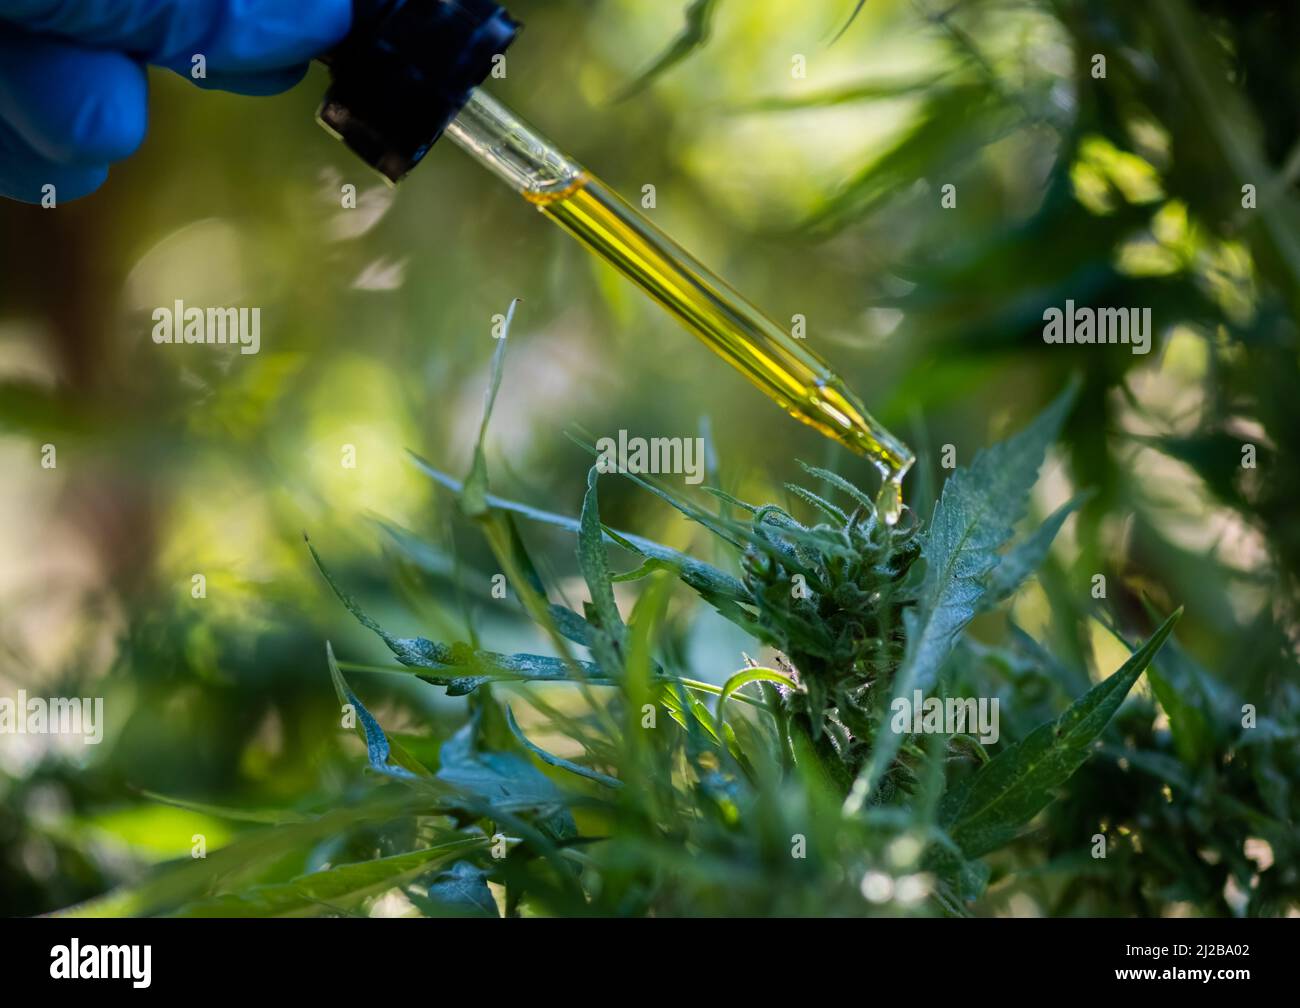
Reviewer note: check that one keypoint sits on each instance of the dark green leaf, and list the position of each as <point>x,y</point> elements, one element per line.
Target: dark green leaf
<point>379,750</point>
<point>331,889</point>
<point>991,807</point>
<point>595,565</point>
<point>506,782</point>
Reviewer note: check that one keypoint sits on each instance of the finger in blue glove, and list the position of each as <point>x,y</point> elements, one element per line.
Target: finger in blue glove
<point>73,93</point>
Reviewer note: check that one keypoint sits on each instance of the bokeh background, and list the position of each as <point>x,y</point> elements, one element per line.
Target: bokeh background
<point>819,195</point>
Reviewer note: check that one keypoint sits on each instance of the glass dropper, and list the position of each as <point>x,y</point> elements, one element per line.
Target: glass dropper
<point>784,367</point>
<point>410,70</point>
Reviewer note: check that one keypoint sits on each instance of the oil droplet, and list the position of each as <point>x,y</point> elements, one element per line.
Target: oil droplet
<point>889,501</point>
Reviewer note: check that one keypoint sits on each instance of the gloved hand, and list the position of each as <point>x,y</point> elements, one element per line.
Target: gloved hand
<point>73,91</point>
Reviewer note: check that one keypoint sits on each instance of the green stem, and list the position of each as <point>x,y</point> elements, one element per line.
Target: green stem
<point>695,684</point>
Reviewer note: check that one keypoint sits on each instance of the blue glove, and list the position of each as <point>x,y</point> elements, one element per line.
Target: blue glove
<point>73,91</point>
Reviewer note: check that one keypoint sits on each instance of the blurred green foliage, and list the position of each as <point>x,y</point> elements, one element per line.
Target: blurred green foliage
<point>820,193</point>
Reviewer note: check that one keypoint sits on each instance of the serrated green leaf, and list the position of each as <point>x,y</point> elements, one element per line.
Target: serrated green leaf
<point>463,669</point>
<point>1202,711</point>
<point>723,529</point>
<point>971,522</point>
<point>820,503</point>
<point>643,570</point>
<point>988,809</point>
<point>475,668</point>
<point>606,634</point>
<point>858,495</point>
<point>417,652</point>
<point>726,498</point>
<point>595,565</point>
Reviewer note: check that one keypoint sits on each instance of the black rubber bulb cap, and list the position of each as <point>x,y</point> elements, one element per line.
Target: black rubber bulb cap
<point>405,70</point>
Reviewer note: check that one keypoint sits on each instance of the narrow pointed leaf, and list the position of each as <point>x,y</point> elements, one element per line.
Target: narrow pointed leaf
<point>559,763</point>
<point>334,888</point>
<point>473,498</point>
<point>991,807</point>
<point>386,757</point>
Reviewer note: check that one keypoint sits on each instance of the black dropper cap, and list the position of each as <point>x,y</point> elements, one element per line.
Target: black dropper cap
<point>405,70</point>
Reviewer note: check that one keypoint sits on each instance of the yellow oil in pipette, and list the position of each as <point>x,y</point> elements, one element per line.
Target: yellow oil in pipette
<point>374,105</point>
<point>782,366</point>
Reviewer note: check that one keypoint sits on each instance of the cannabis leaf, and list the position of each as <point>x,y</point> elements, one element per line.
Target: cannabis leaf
<point>971,521</point>
<point>506,781</point>
<point>459,668</point>
<point>607,633</point>
<point>329,890</point>
<point>473,498</point>
<point>386,757</point>
<point>556,761</point>
<point>190,879</point>
<point>988,809</point>
<point>713,585</point>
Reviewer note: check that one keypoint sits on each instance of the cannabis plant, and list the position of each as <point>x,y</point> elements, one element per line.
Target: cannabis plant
<point>782,788</point>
